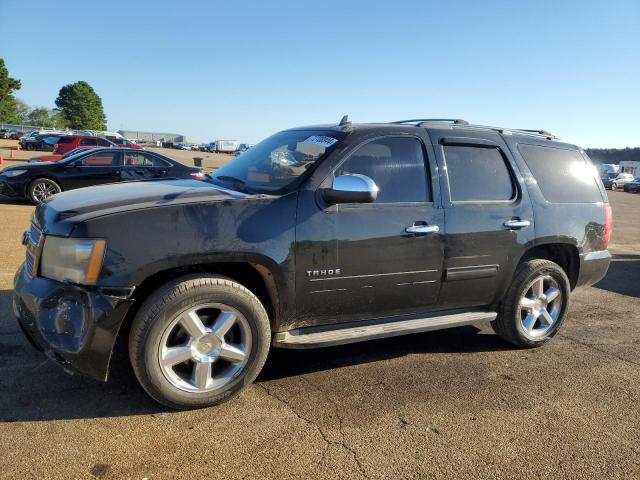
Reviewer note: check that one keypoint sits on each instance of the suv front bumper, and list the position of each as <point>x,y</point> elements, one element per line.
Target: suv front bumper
<point>76,326</point>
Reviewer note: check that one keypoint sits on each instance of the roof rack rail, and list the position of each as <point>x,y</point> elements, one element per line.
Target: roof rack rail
<point>539,132</point>
<point>418,121</point>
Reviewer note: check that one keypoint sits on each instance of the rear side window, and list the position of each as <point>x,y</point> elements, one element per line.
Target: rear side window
<point>396,165</point>
<point>478,174</point>
<point>144,160</point>
<point>88,141</point>
<point>66,140</point>
<point>564,176</point>
<point>101,159</point>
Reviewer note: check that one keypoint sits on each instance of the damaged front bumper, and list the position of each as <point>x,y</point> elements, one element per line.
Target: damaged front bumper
<point>74,325</point>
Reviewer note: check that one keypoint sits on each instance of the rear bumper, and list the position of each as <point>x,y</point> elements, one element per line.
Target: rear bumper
<point>75,326</point>
<point>593,267</point>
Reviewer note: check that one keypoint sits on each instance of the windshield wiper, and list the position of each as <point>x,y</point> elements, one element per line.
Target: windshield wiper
<point>237,183</point>
<point>229,178</point>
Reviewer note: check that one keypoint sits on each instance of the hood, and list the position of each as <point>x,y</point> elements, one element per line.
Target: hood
<point>59,214</point>
<point>27,166</point>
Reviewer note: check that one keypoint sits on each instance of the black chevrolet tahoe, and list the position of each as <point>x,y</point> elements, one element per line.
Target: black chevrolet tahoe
<point>317,236</point>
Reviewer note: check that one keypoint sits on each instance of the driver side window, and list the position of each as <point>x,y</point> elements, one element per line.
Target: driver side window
<point>396,165</point>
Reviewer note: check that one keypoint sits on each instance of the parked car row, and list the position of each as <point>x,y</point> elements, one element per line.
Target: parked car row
<point>219,146</point>
<point>38,181</point>
<point>621,181</point>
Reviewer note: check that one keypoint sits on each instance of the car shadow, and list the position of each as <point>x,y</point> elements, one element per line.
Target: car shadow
<point>623,276</point>
<point>33,388</point>
<point>13,200</point>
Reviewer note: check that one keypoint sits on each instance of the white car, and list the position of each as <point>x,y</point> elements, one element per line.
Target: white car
<point>620,180</point>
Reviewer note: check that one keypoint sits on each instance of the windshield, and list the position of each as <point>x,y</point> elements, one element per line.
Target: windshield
<point>277,162</point>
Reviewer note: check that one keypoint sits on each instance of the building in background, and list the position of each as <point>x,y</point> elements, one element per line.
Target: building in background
<point>152,137</point>
<point>630,166</point>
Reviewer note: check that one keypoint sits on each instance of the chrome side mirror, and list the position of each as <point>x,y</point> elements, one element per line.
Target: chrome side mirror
<point>351,189</point>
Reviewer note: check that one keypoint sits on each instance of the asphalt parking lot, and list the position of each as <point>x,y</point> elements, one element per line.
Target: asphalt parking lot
<point>450,404</point>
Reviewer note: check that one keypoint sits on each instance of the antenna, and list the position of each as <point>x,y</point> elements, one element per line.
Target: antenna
<point>344,121</point>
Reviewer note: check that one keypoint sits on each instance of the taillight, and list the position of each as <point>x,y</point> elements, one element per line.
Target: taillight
<point>198,175</point>
<point>608,226</point>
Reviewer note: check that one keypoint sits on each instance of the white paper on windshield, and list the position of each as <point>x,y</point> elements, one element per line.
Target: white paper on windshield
<point>321,140</point>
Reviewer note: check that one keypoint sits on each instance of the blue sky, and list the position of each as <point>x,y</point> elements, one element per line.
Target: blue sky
<point>244,69</point>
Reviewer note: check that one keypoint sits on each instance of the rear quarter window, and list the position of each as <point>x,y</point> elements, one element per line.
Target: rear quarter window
<point>564,176</point>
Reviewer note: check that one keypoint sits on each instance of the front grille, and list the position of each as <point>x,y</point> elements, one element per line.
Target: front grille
<point>34,248</point>
<point>30,263</point>
<point>35,235</point>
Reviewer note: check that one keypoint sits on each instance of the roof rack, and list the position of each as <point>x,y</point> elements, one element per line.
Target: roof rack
<point>420,122</point>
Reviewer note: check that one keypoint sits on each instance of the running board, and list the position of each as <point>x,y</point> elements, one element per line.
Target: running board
<point>325,336</point>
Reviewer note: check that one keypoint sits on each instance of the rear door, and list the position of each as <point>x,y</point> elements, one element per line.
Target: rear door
<point>144,166</point>
<point>94,168</point>
<point>362,261</point>
<point>488,216</point>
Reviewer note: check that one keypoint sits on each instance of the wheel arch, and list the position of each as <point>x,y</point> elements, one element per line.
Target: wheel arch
<point>39,177</point>
<point>566,255</point>
<point>254,275</point>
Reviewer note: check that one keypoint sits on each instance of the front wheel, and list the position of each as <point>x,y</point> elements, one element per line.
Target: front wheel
<point>535,306</point>
<point>41,189</point>
<point>614,187</point>
<point>198,341</point>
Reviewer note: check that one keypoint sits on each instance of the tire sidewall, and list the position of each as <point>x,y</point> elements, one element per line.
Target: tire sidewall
<point>40,180</point>
<point>560,277</point>
<point>154,380</point>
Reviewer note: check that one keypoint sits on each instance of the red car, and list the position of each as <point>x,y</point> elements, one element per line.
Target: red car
<point>57,157</point>
<point>69,142</point>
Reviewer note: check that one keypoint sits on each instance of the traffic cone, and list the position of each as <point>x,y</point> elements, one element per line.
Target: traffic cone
<point>1,159</point>
<point>11,154</point>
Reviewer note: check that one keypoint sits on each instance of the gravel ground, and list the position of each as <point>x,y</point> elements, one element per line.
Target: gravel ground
<point>450,404</point>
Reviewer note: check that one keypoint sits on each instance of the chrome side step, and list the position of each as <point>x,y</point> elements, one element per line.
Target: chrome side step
<point>325,336</point>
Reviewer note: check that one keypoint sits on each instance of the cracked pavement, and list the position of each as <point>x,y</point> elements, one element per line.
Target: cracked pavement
<point>449,404</point>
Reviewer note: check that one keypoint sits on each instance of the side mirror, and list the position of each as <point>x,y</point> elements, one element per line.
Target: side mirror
<point>351,189</point>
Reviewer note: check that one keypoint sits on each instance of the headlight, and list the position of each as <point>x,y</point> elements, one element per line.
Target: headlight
<point>78,260</point>
<point>14,173</point>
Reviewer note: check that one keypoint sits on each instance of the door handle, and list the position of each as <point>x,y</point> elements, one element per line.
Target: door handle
<point>422,229</point>
<point>516,224</point>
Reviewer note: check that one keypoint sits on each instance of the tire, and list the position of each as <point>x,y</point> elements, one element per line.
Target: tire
<point>42,188</point>
<point>521,321</point>
<point>614,187</point>
<point>160,335</point>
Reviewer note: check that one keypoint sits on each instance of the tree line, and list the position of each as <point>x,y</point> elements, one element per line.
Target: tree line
<point>613,155</point>
<point>78,106</point>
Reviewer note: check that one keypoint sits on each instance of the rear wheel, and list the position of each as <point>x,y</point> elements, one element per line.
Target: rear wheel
<point>198,341</point>
<point>535,305</point>
<point>41,189</point>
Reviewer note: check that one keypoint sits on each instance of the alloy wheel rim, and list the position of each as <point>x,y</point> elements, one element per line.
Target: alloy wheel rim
<point>44,190</point>
<point>540,306</point>
<point>205,347</point>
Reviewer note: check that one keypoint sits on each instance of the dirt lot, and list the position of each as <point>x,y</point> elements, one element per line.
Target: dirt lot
<point>450,404</point>
<point>210,161</point>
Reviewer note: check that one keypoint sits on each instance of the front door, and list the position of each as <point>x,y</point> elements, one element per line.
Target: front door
<point>363,261</point>
<point>93,169</point>
<point>488,217</point>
